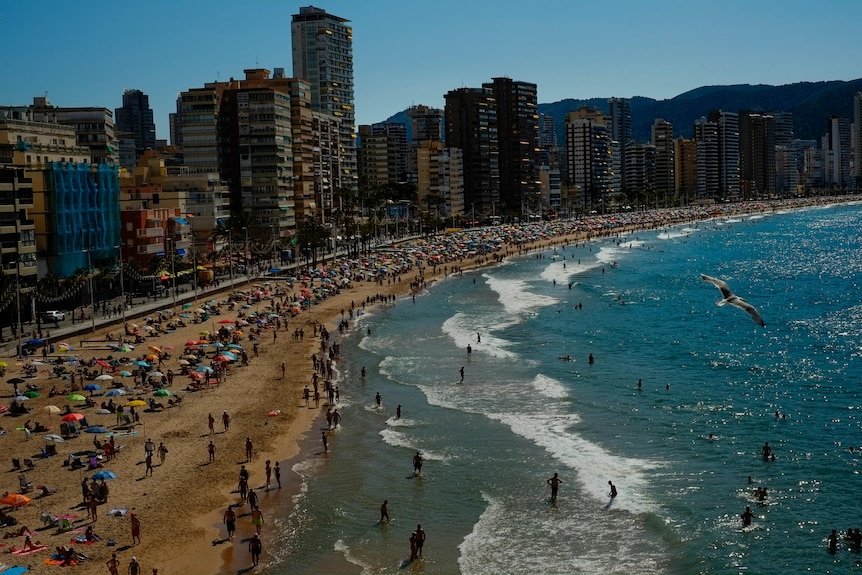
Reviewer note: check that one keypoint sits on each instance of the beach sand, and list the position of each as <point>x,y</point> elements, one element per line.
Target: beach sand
<point>181,505</point>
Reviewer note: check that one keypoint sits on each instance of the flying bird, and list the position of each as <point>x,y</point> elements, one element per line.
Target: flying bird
<point>733,299</point>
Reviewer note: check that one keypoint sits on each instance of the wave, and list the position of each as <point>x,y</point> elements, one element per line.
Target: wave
<point>550,387</point>
<point>516,297</point>
<point>462,329</point>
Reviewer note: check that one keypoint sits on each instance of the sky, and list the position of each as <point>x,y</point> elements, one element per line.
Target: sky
<point>85,53</point>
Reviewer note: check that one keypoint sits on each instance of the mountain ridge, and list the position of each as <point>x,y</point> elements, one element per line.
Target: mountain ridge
<point>810,102</point>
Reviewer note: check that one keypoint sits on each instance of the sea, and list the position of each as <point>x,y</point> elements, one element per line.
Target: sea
<point>683,449</point>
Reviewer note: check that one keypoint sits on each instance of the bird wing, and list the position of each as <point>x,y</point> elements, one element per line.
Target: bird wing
<point>726,292</point>
<point>748,308</point>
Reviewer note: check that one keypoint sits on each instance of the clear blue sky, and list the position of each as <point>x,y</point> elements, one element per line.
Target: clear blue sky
<point>408,52</point>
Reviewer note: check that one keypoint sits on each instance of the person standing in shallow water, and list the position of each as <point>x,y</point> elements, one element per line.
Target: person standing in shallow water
<point>555,483</point>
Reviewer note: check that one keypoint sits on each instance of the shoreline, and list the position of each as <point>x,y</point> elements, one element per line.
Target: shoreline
<point>181,506</point>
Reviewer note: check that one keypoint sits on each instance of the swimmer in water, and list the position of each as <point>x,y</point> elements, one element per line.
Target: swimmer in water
<point>746,516</point>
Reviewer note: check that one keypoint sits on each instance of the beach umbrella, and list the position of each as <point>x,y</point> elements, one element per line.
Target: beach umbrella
<point>104,377</point>
<point>169,347</point>
<point>103,363</point>
<point>155,374</point>
<point>229,355</point>
<point>115,392</point>
<point>142,364</point>
<point>136,403</point>
<point>53,438</point>
<point>31,394</point>
<point>218,345</point>
<point>190,356</point>
<point>204,332</point>
<point>187,306</point>
<point>16,381</point>
<point>104,474</point>
<point>15,500</point>
<point>192,342</point>
<point>223,358</point>
<point>96,429</point>
<point>35,342</point>
<point>72,417</point>
<point>204,369</point>
<point>51,409</point>
<point>76,397</point>
<point>3,364</point>
<point>125,373</point>
<point>154,349</point>
<point>162,393</point>
<point>63,346</point>
<point>22,398</point>
<point>104,411</point>
<point>226,321</point>
<point>153,357</point>
<point>196,375</point>
<point>184,362</point>
<point>92,387</point>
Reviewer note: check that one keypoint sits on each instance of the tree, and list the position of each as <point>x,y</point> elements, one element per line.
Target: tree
<point>311,235</point>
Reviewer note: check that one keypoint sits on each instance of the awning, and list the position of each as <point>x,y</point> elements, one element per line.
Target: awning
<point>182,221</point>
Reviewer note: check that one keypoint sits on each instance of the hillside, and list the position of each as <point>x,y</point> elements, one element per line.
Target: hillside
<point>810,102</point>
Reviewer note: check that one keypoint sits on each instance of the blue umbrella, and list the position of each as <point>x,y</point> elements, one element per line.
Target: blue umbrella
<point>235,346</point>
<point>229,354</point>
<point>218,345</point>
<point>114,392</point>
<point>96,429</point>
<point>275,271</point>
<point>99,475</point>
<point>142,363</point>
<point>35,342</point>
<point>92,387</point>
<point>204,369</point>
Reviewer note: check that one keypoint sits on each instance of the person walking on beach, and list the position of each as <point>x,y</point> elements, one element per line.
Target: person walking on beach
<point>420,540</point>
<point>211,449</point>
<point>613,492</point>
<point>149,447</point>
<point>149,463</point>
<point>325,441</point>
<point>136,528</point>
<point>113,565</point>
<point>230,521</point>
<point>278,474</point>
<point>163,452</point>
<point>384,511</point>
<point>251,498</point>
<point>257,519</point>
<point>268,471</point>
<point>283,368</point>
<point>398,412</point>
<point>255,547</point>
<point>555,483</point>
<point>417,464</point>
<point>413,546</point>
<point>134,567</point>
<point>248,448</point>
<point>225,419</point>
<point>211,423</point>
<point>461,371</point>
<point>378,400</point>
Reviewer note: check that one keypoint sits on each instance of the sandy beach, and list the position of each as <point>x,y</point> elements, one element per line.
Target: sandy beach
<point>180,505</point>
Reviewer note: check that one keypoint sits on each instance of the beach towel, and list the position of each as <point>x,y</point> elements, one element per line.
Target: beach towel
<point>118,511</point>
<point>29,551</point>
<point>16,570</point>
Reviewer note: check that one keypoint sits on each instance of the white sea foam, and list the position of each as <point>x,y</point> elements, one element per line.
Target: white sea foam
<point>462,328</point>
<point>675,234</point>
<point>343,548</point>
<point>398,439</point>
<point>564,271</point>
<point>550,387</point>
<point>516,297</point>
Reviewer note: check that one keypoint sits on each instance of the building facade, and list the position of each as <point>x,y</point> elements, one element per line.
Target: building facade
<point>134,119</point>
<point>662,139</point>
<point>588,167</point>
<point>757,156</point>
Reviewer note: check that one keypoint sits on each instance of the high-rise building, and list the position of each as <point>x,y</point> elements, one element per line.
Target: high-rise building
<point>706,136</point>
<point>440,179</point>
<point>135,117</point>
<point>620,125</point>
<point>383,154</point>
<point>757,156</point>
<point>728,153</point>
<point>662,139</point>
<point>518,141</point>
<point>685,170</point>
<point>323,56</point>
<point>837,153</point>
<point>857,138</point>
<point>549,153</point>
<point>426,123</point>
<point>588,158</point>
<point>175,120</point>
<point>640,167</point>
<point>94,127</point>
<point>471,125</point>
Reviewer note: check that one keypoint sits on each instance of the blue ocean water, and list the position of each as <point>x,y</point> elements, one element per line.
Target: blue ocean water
<point>638,305</point>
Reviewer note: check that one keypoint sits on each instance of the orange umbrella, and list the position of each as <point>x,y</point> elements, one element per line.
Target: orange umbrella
<point>15,500</point>
<point>154,349</point>
<point>153,357</point>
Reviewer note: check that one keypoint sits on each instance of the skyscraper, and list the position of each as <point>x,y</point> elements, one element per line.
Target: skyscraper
<point>620,130</point>
<point>323,56</point>
<point>662,139</point>
<point>135,117</point>
<point>728,152</point>
<point>857,139</point>
<point>471,124</point>
<point>756,153</point>
<point>587,155</point>
<point>518,141</point>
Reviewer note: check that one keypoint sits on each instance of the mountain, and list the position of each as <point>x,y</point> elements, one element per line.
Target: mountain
<point>811,103</point>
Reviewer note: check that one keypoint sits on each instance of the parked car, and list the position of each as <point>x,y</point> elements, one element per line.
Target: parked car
<point>53,315</point>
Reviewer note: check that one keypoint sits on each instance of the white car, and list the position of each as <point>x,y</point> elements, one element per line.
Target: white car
<point>53,315</point>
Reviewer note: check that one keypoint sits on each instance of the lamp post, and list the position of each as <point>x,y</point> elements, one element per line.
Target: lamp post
<point>195,275</point>
<point>90,283</point>
<point>247,257</point>
<point>18,303</point>
<point>173,268</point>
<point>230,255</point>
<point>122,286</point>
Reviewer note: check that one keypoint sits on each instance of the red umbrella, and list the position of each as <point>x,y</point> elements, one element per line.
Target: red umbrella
<point>196,375</point>
<point>222,358</point>
<point>226,321</point>
<point>72,417</point>
<point>103,363</point>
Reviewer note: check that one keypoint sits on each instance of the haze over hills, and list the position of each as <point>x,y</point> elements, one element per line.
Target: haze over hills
<point>810,102</point>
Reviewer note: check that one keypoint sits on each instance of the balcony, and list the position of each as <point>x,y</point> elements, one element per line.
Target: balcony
<point>150,249</point>
<point>150,232</point>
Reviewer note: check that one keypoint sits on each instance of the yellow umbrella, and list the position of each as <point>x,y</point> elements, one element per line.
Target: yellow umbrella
<point>136,403</point>
<point>154,349</point>
<point>204,332</point>
<point>51,409</point>
<point>3,364</point>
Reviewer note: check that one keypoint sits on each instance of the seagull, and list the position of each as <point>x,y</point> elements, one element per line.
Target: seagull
<point>733,299</point>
